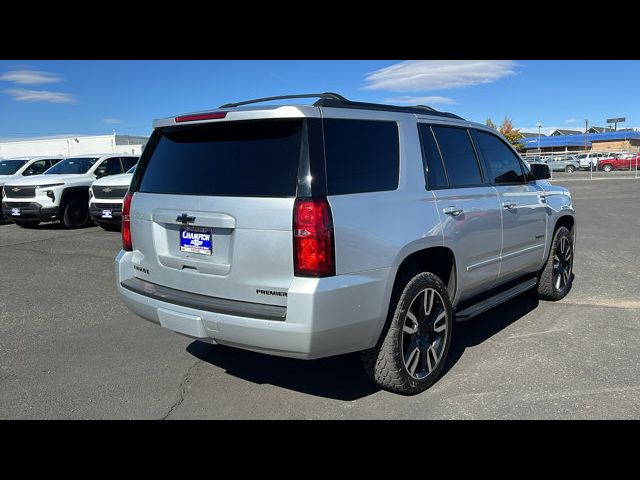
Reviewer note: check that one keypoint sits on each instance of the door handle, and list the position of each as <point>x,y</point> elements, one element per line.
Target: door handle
<point>509,205</point>
<point>455,211</point>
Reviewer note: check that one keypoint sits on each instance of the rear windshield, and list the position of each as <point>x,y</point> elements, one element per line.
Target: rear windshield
<point>242,158</point>
<point>9,167</point>
<point>72,166</point>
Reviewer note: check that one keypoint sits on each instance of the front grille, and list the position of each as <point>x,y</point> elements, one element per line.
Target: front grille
<point>18,204</point>
<point>107,206</point>
<point>110,192</point>
<point>18,192</point>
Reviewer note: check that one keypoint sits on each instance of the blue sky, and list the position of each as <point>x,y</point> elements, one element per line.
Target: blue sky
<point>96,97</point>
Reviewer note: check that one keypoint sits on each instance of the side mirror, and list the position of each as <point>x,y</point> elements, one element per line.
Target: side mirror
<point>28,171</point>
<point>101,172</point>
<point>540,171</point>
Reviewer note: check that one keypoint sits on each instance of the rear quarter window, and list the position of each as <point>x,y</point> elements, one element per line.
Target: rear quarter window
<point>361,156</point>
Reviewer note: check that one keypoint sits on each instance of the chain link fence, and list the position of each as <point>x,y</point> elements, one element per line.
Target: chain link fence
<point>589,164</point>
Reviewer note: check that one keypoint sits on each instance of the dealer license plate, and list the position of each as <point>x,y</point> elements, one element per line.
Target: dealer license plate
<point>196,240</point>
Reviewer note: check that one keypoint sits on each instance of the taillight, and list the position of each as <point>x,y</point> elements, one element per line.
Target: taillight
<point>201,116</point>
<point>126,223</point>
<point>313,245</point>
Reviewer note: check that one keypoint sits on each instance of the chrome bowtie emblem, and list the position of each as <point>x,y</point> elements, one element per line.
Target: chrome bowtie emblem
<point>15,189</point>
<point>106,190</point>
<point>185,219</point>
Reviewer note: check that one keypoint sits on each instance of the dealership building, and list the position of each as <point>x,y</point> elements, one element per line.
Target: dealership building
<point>71,145</point>
<point>622,140</point>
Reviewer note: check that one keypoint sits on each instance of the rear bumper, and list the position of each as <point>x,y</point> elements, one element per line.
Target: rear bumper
<point>323,317</point>
<point>30,211</point>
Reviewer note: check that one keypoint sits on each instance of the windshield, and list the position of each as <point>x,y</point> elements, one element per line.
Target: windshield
<point>9,167</point>
<point>584,155</point>
<point>72,165</point>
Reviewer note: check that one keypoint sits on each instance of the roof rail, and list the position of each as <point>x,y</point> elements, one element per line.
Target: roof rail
<point>328,95</point>
<point>417,109</point>
<point>330,99</point>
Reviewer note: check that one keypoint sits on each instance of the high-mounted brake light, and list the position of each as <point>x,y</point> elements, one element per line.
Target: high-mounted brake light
<point>313,243</point>
<point>201,116</point>
<point>127,243</point>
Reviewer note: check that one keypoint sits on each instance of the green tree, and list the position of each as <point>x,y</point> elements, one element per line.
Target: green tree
<point>513,135</point>
<point>489,123</point>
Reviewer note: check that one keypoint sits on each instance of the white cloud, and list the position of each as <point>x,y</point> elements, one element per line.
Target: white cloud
<point>424,75</point>
<point>25,95</point>
<point>30,77</point>
<point>571,120</point>
<point>433,100</point>
<point>112,121</point>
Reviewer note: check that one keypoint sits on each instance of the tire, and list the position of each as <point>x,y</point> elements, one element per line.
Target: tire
<point>75,213</point>
<point>555,278</point>
<point>109,227</point>
<point>570,169</point>
<point>607,167</point>
<point>22,224</point>
<point>412,349</point>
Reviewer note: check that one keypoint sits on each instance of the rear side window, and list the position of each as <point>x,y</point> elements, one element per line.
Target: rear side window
<point>128,162</point>
<point>361,156</point>
<point>458,155</point>
<point>244,158</point>
<point>436,176</point>
<point>503,165</point>
<point>111,166</point>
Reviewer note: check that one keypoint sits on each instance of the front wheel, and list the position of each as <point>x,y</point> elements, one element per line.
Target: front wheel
<point>410,355</point>
<point>75,213</point>
<point>556,277</point>
<point>570,169</point>
<point>607,168</point>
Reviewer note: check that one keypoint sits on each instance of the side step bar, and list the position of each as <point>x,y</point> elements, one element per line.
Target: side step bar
<point>495,300</point>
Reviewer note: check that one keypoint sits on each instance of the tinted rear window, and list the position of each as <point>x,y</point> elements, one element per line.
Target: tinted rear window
<point>361,156</point>
<point>247,159</point>
<point>459,157</point>
<point>436,176</point>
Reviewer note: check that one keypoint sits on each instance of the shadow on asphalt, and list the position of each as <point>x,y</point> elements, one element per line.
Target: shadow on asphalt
<point>478,329</point>
<point>342,377</point>
<point>48,226</point>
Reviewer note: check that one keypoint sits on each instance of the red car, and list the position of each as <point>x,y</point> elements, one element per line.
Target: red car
<point>619,162</point>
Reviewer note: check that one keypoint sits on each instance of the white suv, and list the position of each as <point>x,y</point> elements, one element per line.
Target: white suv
<point>106,196</point>
<point>62,192</point>
<point>18,167</point>
<point>590,160</point>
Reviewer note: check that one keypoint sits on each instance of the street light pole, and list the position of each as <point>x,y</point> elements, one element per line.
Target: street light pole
<point>539,125</point>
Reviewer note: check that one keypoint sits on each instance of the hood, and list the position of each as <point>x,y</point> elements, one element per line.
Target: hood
<point>121,180</point>
<point>35,180</point>
<point>5,178</point>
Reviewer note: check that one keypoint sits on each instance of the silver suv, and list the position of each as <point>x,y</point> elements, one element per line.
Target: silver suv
<point>315,230</point>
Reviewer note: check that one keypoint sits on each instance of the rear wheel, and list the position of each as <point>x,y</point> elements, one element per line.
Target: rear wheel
<point>411,353</point>
<point>556,276</point>
<point>607,168</point>
<point>24,224</point>
<point>570,169</point>
<point>75,213</point>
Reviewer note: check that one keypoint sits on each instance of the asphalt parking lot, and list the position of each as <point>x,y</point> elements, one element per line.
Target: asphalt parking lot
<point>69,349</point>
